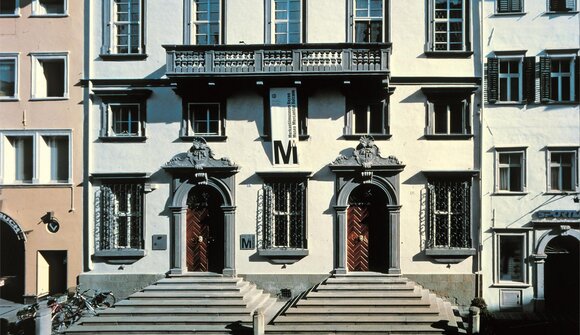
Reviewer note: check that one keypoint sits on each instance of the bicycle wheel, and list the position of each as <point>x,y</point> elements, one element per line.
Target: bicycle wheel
<point>108,301</point>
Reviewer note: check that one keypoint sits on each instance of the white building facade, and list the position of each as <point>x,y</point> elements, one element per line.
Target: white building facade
<point>531,136</point>
<point>283,140</point>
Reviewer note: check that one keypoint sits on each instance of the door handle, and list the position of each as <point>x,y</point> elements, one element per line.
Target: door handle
<point>200,239</point>
<point>361,238</point>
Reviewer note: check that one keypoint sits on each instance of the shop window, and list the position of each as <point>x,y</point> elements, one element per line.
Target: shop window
<point>49,73</point>
<point>511,251</point>
<point>8,76</point>
<point>49,7</point>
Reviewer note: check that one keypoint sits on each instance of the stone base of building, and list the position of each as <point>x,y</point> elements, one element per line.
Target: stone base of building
<point>459,289</point>
<point>278,285</point>
<point>122,285</point>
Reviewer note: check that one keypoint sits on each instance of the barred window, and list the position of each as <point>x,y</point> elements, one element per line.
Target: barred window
<point>284,215</point>
<point>119,216</point>
<point>449,214</point>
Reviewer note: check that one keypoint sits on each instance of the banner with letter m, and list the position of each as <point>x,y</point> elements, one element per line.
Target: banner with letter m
<point>284,116</point>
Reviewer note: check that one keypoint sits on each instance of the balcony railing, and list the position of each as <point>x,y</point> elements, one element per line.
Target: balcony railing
<point>242,60</point>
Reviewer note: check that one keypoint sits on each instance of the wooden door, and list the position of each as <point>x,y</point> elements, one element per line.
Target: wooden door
<point>358,238</point>
<point>197,237</point>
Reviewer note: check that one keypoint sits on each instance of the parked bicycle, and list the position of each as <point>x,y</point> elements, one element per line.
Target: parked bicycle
<point>83,303</point>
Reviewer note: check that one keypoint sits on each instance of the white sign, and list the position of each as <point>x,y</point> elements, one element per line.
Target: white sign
<point>284,128</point>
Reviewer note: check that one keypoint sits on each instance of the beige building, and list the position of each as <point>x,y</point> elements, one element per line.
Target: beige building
<point>40,146</point>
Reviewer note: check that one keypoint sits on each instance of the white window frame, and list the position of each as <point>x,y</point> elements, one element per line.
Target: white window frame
<point>369,19</point>
<point>36,9</point>
<point>37,58</point>
<point>109,47</point>
<point>16,10</point>
<point>272,21</point>
<point>191,119</point>
<point>41,160</point>
<point>574,168</point>
<point>497,259</point>
<point>190,11</point>
<point>560,75</point>
<point>111,120</point>
<point>522,165</point>
<point>448,21</point>
<point>16,58</point>
<point>508,76</point>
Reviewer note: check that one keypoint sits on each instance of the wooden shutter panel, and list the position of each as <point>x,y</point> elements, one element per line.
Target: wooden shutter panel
<point>516,6</point>
<point>529,88</point>
<point>545,86</point>
<point>502,6</point>
<point>577,79</point>
<point>570,5</point>
<point>492,79</point>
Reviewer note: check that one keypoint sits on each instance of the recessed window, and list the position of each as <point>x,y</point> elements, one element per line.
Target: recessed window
<point>8,76</point>
<point>58,152</point>
<point>49,7</point>
<point>366,117</point>
<point>562,174</point>
<point>510,79</point>
<point>204,119</point>
<point>49,73</point>
<point>562,79</point>
<point>287,21</point>
<point>368,21</point>
<point>123,27</point>
<point>511,267</point>
<point>448,25</point>
<point>562,5</point>
<point>9,7</point>
<point>206,22</point>
<point>510,171</point>
<point>119,216</point>
<point>126,119</point>
<point>510,6</point>
<point>450,117</point>
<point>22,167</point>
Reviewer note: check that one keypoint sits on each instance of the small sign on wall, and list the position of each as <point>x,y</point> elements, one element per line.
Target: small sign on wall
<point>247,241</point>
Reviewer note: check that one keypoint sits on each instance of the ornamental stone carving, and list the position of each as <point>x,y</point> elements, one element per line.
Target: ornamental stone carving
<point>199,157</point>
<point>367,156</point>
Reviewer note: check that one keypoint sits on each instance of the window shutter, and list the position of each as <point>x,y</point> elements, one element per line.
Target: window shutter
<point>466,116</point>
<point>545,86</point>
<point>430,26</point>
<point>549,170</point>
<point>571,5</point>
<point>577,78</point>
<point>430,116</point>
<point>492,79</point>
<point>516,6</point>
<point>502,6</point>
<point>529,88</point>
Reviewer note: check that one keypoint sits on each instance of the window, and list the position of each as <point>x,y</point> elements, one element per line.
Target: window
<point>562,5</point>
<point>206,22</point>
<point>449,213</point>
<point>8,76</point>
<point>448,26</point>
<point>123,114</point>
<point>49,7</point>
<point>511,251</point>
<point>562,174</point>
<point>119,216</point>
<point>366,118</point>
<point>557,79</point>
<point>510,170</point>
<point>36,157</point>
<point>49,73</point>
<point>123,27</point>
<point>9,7</point>
<point>284,215</point>
<point>511,78</point>
<point>448,111</point>
<point>510,6</point>
<point>368,21</point>
<point>205,119</point>
<point>286,25</point>
<point>126,120</point>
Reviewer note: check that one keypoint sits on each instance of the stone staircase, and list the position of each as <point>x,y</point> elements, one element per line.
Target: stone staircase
<point>366,303</point>
<point>194,303</point>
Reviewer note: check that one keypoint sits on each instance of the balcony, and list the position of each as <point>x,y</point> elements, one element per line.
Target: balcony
<point>261,60</point>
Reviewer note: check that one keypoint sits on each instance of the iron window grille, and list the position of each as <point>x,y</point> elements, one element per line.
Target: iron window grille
<point>119,216</point>
<point>283,215</point>
<point>449,214</point>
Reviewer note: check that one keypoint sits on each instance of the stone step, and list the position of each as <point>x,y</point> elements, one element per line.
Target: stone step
<point>194,287</point>
<point>358,319</point>
<point>366,287</point>
<point>367,275</point>
<point>199,280</point>
<point>367,280</point>
<point>151,329</point>
<point>197,275</point>
<point>180,302</point>
<point>361,310</point>
<point>402,303</point>
<point>188,295</point>
<point>353,329</point>
<point>345,294</point>
<point>172,319</point>
<point>168,310</point>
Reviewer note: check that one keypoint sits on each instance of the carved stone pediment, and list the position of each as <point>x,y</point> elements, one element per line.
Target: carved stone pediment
<point>199,157</point>
<point>366,156</point>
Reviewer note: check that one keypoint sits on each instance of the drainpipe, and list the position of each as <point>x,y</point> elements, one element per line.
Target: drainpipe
<point>481,167</point>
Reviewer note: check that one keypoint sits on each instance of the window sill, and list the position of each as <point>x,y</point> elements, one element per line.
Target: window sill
<point>446,137</point>
<point>510,285</point>
<point>49,99</point>
<point>207,138</point>
<point>449,255</point>
<point>553,102</point>
<point>510,14</point>
<point>571,12</point>
<point>268,138</point>
<point>509,193</point>
<point>356,137</point>
<point>123,57</point>
<point>9,99</point>
<point>122,138</point>
<point>561,193</point>
<point>37,185</point>
<point>283,256</point>
<point>120,255</point>
<point>509,103</point>
<point>448,54</point>
<point>49,15</point>
<point>8,15</point>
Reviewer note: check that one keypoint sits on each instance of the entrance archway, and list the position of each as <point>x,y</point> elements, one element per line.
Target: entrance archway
<point>204,230</point>
<point>561,275</point>
<point>367,230</point>
<point>11,259</point>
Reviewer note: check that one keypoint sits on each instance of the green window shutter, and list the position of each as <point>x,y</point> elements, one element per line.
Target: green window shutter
<point>516,6</point>
<point>545,86</point>
<point>529,88</point>
<point>492,79</point>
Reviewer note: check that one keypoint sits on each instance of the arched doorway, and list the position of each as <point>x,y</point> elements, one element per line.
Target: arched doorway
<point>367,230</point>
<point>204,230</point>
<point>562,275</point>
<point>11,259</point>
